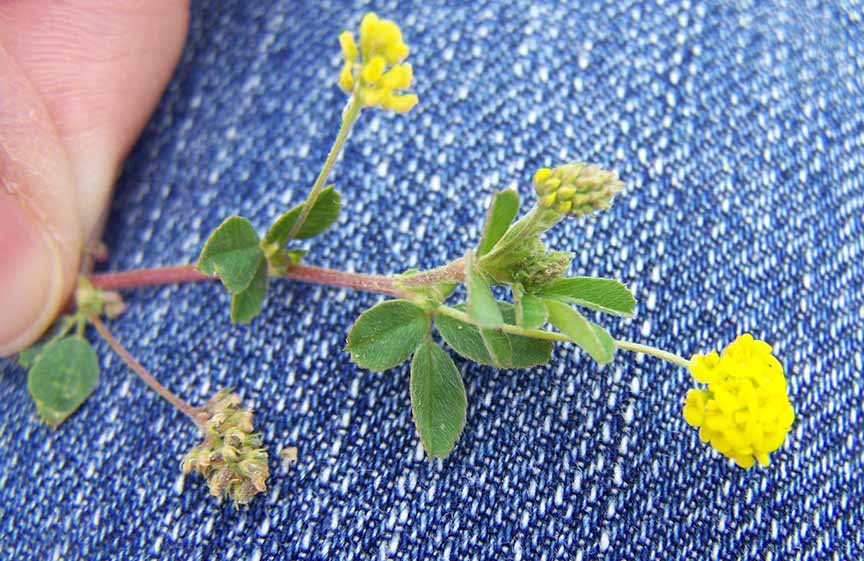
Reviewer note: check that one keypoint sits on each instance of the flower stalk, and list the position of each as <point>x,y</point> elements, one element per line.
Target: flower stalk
<point>144,374</point>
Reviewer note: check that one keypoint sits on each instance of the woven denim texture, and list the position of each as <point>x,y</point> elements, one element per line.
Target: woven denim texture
<point>738,128</point>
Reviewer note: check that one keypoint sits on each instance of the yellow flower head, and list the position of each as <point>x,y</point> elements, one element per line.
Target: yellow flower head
<point>375,72</point>
<point>577,188</point>
<point>745,412</point>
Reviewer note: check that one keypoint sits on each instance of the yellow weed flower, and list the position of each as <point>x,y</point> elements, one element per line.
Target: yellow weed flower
<point>374,72</point>
<point>745,413</point>
<point>577,188</point>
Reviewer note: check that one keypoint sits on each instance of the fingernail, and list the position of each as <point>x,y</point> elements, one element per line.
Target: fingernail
<point>30,276</point>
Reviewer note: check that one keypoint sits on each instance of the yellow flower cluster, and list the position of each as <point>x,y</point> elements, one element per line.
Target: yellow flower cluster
<point>745,412</point>
<point>374,73</point>
<point>231,458</point>
<point>577,188</point>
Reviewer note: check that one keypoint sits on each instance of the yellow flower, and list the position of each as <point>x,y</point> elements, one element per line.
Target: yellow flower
<point>374,72</point>
<point>577,188</point>
<point>745,413</point>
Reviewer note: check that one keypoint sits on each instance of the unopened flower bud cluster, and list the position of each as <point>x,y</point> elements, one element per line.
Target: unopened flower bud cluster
<point>576,189</point>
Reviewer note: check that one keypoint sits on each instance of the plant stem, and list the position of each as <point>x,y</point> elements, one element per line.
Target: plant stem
<point>505,327</point>
<point>188,273</point>
<point>148,277</point>
<point>553,336</point>
<point>349,115</point>
<point>653,351</point>
<point>453,271</point>
<point>330,277</point>
<point>142,372</point>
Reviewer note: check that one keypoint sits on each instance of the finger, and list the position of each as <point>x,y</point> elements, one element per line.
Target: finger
<point>40,235</point>
<point>78,80</point>
<point>100,66</point>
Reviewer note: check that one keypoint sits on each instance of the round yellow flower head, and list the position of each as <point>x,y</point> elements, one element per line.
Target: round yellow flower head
<point>374,72</point>
<point>745,413</point>
<point>576,189</point>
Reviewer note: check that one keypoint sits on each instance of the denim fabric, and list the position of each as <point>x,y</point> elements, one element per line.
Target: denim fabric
<point>739,130</point>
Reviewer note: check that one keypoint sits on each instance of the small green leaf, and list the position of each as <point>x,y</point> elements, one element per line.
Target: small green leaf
<point>62,377</point>
<point>482,307</point>
<point>534,312</point>
<point>294,256</point>
<point>606,340</point>
<point>324,213</point>
<point>504,208</point>
<point>247,304</point>
<point>510,351</point>
<point>498,346</point>
<point>385,335</point>
<point>438,401</point>
<point>232,253</point>
<point>595,340</point>
<point>604,295</point>
<point>28,356</point>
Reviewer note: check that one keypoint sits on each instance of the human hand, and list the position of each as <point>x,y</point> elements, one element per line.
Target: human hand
<point>78,81</point>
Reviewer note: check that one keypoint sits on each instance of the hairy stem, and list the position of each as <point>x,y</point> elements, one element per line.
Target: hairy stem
<point>451,272</point>
<point>188,273</point>
<point>349,115</point>
<point>142,372</point>
<point>148,277</point>
<point>553,336</point>
<point>382,284</point>
<point>505,327</point>
<point>653,351</point>
<point>342,279</point>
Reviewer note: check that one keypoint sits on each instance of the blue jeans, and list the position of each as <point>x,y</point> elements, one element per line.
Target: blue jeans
<point>739,131</point>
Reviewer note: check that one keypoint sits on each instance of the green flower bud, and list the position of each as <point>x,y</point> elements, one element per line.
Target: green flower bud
<point>576,189</point>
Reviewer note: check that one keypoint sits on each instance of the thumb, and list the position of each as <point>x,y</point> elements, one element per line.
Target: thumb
<point>78,80</point>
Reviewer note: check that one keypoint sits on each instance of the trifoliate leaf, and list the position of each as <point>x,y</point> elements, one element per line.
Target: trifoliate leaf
<point>438,401</point>
<point>595,340</point>
<point>533,311</point>
<point>232,253</point>
<point>62,377</point>
<point>604,295</point>
<point>504,208</point>
<point>385,335</point>
<point>482,307</point>
<point>247,304</point>
<point>324,213</point>
<point>511,351</point>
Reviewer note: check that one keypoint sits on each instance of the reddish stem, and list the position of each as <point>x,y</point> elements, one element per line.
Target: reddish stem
<point>142,372</point>
<point>188,273</point>
<point>147,277</point>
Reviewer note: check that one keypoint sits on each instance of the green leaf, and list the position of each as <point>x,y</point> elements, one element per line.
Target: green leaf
<point>324,213</point>
<point>504,208</point>
<point>28,356</point>
<point>604,295</point>
<point>498,346</point>
<point>232,253</point>
<point>62,377</point>
<point>595,340</point>
<point>534,312</point>
<point>510,351</point>
<point>385,335</point>
<point>438,401</point>
<point>482,306</point>
<point>247,304</point>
